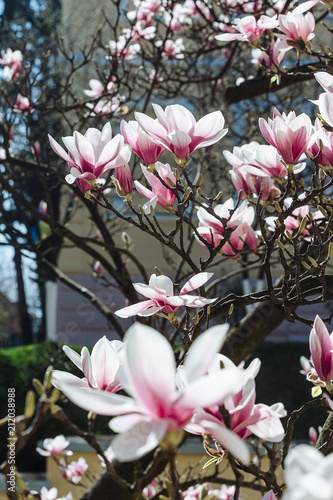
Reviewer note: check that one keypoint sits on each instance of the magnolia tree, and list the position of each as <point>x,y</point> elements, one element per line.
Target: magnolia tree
<point>180,368</point>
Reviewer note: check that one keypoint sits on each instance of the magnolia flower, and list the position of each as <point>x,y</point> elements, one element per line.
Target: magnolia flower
<point>172,49</point>
<point>211,228</point>
<point>75,470</point>
<point>22,104</point>
<point>123,49</point>
<point>92,154</point>
<point>308,474</point>
<point>12,60</point>
<point>293,221</point>
<point>159,194</point>
<point>161,296</point>
<point>50,494</point>
<point>246,417</point>
<point>100,368</point>
<point>98,89</point>
<point>250,29</point>
<point>321,348</point>
<point>296,26</point>
<point>290,135</point>
<point>54,446</point>
<point>123,180</point>
<point>273,58</point>
<point>177,130</point>
<point>155,406</point>
<point>141,145</point>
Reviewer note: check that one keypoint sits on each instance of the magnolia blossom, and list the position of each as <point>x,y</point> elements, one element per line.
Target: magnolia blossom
<point>123,180</point>
<point>246,417</point>
<point>296,26</point>
<point>155,406</point>
<point>12,60</point>
<point>141,144</point>
<point>211,228</point>
<point>92,154</point>
<point>321,348</point>
<point>100,368</point>
<point>177,130</point>
<point>54,446</point>
<point>123,49</point>
<point>250,29</point>
<point>160,293</point>
<point>289,134</point>
<point>98,88</point>
<point>273,58</point>
<point>172,49</point>
<point>308,474</point>
<point>73,471</point>
<point>113,106</point>
<point>22,104</point>
<point>293,221</point>
<point>50,494</point>
<point>159,194</point>
<point>176,19</point>
<point>140,31</point>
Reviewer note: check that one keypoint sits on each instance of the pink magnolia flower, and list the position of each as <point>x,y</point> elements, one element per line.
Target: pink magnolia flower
<point>51,494</point>
<point>159,194</point>
<point>35,148</point>
<point>290,135</point>
<point>100,368</point>
<point>155,405</point>
<point>92,154</point>
<point>161,296</point>
<point>197,492</point>
<point>12,60</point>
<point>54,446</point>
<point>123,49</point>
<point>98,267</point>
<point>246,417</point>
<point>321,348</point>
<point>293,221</point>
<point>249,28</point>
<point>273,58</point>
<point>75,470</point>
<point>113,106</point>
<point>296,26</point>
<point>140,31</point>
<point>22,104</point>
<point>177,130</point>
<point>176,19</point>
<point>253,185</point>
<point>172,49</point>
<point>123,180</point>
<point>211,228</point>
<point>141,144</point>
<point>98,89</point>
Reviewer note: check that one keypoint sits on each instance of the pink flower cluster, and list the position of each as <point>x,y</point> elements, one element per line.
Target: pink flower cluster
<point>212,227</point>
<point>162,398</point>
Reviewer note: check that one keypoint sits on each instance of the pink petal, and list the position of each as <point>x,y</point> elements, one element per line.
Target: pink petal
<point>228,440</point>
<point>127,312</point>
<point>196,282</point>
<point>150,368</point>
<point>203,350</point>
<point>139,440</point>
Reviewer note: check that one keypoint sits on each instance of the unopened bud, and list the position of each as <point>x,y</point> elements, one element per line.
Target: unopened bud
<point>47,377</point>
<point>38,386</point>
<point>158,271</point>
<point>280,244</point>
<point>29,408</point>
<point>313,262</point>
<point>306,265</point>
<point>277,207</point>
